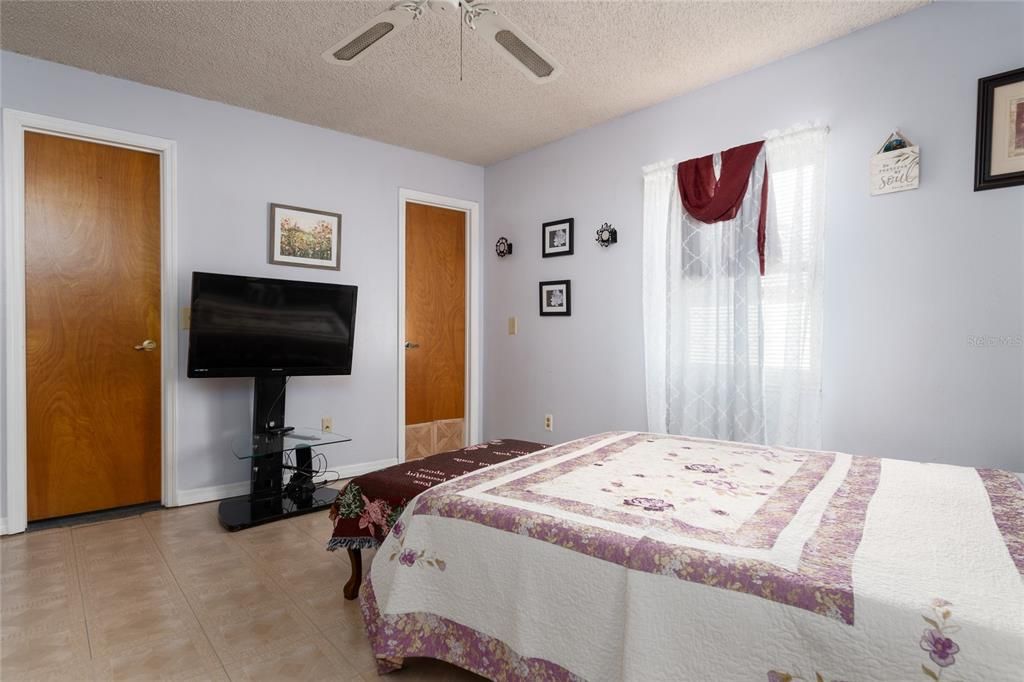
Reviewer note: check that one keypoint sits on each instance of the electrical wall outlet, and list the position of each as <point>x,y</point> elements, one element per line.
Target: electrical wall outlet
<point>186,317</point>
<point>326,424</point>
<point>549,422</point>
<point>513,326</point>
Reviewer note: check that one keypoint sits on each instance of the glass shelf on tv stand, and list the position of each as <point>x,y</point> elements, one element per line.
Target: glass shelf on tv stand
<point>280,485</point>
<point>255,445</point>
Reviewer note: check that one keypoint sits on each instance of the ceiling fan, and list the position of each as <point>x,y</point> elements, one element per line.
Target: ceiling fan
<point>493,27</point>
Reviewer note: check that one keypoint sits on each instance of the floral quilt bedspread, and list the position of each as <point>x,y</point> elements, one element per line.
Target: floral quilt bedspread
<point>636,556</point>
<point>369,505</point>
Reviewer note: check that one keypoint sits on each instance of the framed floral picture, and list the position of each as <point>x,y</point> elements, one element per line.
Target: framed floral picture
<point>556,238</point>
<point>556,297</point>
<point>304,237</point>
<point>999,154</point>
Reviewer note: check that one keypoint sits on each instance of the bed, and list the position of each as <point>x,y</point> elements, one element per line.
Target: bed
<point>368,506</point>
<point>635,556</point>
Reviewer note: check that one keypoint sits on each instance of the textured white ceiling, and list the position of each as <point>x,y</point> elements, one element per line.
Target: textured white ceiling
<point>618,57</point>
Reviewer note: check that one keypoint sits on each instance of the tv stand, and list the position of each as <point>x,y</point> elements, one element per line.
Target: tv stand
<point>268,403</point>
<point>266,448</point>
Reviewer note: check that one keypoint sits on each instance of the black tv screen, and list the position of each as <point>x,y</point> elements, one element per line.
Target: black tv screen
<point>255,326</point>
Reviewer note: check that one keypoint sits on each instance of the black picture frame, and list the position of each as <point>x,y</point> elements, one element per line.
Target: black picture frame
<point>567,286</point>
<point>983,177</point>
<point>545,246</point>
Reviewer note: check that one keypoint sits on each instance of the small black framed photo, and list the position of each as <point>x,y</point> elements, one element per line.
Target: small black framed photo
<point>556,297</point>
<point>556,238</point>
<point>999,153</point>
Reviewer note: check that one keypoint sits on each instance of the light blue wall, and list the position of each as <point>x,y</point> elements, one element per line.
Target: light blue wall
<point>908,278</point>
<point>231,163</point>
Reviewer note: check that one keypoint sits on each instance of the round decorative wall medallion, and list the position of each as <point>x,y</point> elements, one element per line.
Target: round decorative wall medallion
<point>503,248</point>
<point>607,235</point>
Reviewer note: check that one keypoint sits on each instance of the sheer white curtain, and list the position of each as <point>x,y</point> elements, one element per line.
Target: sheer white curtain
<point>702,315</point>
<point>791,289</point>
<point>730,354</point>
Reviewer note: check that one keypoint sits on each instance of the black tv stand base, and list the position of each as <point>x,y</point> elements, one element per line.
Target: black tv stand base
<point>237,513</point>
<point>270,498</point>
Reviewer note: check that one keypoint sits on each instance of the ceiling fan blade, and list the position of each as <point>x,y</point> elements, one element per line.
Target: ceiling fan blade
<point>510,41</point>
<point>383,26</point>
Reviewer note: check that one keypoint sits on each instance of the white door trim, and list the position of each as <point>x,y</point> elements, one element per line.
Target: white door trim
<point>15,124</point>
<point>473,300</point>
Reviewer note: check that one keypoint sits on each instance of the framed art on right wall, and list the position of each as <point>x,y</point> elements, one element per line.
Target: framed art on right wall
<point>557,238</point>
<point>999,155</point>
<point>556,298</point>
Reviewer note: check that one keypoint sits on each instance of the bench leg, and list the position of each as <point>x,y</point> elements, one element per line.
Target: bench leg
<point>351,590</point>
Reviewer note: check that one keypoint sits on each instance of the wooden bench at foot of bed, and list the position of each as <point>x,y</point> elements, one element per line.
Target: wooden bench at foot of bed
<point>369,505</point>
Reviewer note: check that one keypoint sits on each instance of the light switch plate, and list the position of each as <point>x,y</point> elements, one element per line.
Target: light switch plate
<point>326,424</point>
<point>186,317</point>
<point>513,326</point>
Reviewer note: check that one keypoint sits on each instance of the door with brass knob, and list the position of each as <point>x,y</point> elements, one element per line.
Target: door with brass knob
<point>92,217</point>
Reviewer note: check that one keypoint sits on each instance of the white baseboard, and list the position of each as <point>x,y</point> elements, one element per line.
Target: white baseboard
<point>352,470</point>
<point>220,492</point>
<point>211,493</point>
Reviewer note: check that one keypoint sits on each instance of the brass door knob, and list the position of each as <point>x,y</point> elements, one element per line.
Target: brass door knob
<point>147,345</point>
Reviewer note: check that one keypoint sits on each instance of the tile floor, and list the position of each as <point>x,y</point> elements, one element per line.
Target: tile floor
<point>170,595</point>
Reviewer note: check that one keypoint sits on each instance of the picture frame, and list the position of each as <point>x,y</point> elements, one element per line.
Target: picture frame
<point>556,238</point>
<point>999,143</point>
<point>304,237</point>
<point>556,298</point>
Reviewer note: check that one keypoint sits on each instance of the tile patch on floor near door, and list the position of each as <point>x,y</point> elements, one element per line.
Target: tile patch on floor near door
<point>430,438</point>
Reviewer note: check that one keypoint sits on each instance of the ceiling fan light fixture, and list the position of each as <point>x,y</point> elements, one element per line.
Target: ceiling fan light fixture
<point>487,23</point>
<point>524,54</point>
<point>353,48</point>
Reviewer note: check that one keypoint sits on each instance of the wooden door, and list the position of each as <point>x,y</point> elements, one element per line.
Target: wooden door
<point>92,293</point>
<point>435,329</point>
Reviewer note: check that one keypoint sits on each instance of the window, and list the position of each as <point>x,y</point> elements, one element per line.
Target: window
<point>731,354</point>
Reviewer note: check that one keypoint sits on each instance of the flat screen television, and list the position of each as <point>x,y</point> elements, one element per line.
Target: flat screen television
<point>258,327</point>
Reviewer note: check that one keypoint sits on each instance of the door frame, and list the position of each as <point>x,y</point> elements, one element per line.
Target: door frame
<point>15,124</point>
<point>473,300</point>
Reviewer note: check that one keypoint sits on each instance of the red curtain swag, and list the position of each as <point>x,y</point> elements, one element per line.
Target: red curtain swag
<point>712,200</point>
